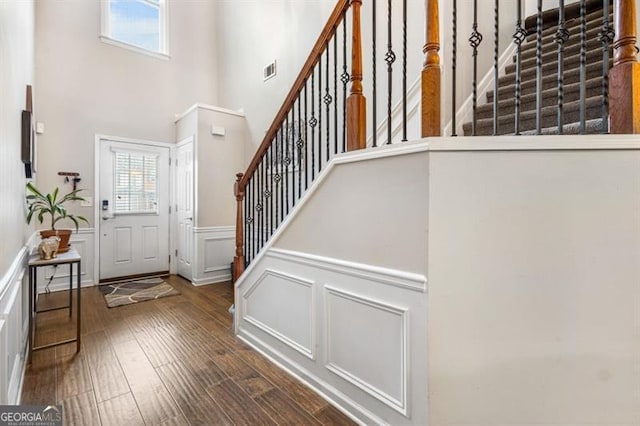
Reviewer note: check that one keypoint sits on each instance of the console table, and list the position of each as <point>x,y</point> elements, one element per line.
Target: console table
<point>69,258</point>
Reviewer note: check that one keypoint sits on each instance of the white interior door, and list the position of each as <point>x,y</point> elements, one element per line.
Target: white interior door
<point>184,208</point>
<point>134,216</point>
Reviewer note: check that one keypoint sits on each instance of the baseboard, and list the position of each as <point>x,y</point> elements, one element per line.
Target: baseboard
<point>326,391</point>
<point>215,279</point>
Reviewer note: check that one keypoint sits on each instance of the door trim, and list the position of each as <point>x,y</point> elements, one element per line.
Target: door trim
<point>96,192</point>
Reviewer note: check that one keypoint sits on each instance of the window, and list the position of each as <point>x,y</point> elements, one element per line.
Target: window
<point>140,25</point>
<point>135,183</point>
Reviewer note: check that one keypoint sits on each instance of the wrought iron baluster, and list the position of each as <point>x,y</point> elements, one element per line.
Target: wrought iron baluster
<point>281,174</point>
<point>327,102</point>
<point>404,70</point>
<point>606,37</point>
<point>252,220</point>
<point>292,153</point>
<point>518,37</point>
<point>539,68</point>
<point>313,122</point>
<point>277,178</point>
<point>496,69</point>
<point>345,78</point>
<point>474,40</point>
<point>260,207</point>
<point>287,161</point>
<point>561,37</point>
<point>583,66</point>
<point>299,146</point>
<point>454,64</point>
<point>306,140</point>
<point>390,58</point>
<point>319,114</point>
<point>270,188</point>
<point>335,91</point>
<point>374,105</point>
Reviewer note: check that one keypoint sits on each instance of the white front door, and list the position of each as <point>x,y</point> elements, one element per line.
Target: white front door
<point>184,208</point>
<point>134,203</point>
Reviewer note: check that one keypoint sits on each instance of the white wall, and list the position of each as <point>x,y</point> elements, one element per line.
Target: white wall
<point>284,30</point>
<point>534,265</point>
<point>16,71</point>
<point>86,87</point>
<point>339,297</point>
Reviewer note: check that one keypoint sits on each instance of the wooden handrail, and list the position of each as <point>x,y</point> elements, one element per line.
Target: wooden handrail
<point>318,48</point>
<point>431,73</point>
<point>624,77</point>
<point>356,102</point>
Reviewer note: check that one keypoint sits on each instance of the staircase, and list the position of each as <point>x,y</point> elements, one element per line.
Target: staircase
<point>594,102</point>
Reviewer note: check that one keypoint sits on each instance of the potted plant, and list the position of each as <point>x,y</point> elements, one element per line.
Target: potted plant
<point>41,205</point>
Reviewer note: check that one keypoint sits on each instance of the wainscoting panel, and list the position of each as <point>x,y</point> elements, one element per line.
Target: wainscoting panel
<point>282,306</point>
<point>366,351</point>
<point>13,332</point>
<point>371,352</point>
<point>4,386</point>
<point>214,251</point>
<point>83,242</point>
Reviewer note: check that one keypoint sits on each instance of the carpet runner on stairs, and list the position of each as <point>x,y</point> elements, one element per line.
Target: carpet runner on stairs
<point>593,85</point>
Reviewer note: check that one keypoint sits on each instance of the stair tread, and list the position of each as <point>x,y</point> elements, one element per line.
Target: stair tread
<point>549,113</point>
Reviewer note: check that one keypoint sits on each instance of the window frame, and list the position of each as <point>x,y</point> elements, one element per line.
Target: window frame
<point>163,16</point>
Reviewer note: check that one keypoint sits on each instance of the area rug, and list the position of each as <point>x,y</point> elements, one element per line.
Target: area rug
<point>136,291</point>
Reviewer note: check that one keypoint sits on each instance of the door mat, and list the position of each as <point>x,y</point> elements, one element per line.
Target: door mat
<point>136,291</point>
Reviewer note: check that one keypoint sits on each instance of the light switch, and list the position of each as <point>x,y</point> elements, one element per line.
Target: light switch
<point>39,127</point>
<point>217,130</point>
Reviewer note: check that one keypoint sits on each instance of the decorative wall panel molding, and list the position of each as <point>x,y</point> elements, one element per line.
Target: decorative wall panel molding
<point>410,281</point>
<point>371,352</point>
<point>283,306</point>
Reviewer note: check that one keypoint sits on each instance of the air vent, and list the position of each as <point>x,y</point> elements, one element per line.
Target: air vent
<point>269,71</point>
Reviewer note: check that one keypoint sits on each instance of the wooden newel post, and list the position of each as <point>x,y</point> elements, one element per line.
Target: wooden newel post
<point>624,77</point>
<point>356,102</point>
<point>238,260</point>
<point>431,73</point>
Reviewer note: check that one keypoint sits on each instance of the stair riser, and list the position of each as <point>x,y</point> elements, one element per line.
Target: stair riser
<point>593,20</point>
<point>594,48</point>
<point>570,63</point>
<point>507,83</point>
<point>550,52</point>
<point>529,104</point>
<point>549,44</point>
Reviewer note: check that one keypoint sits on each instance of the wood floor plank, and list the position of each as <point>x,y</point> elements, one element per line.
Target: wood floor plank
<point>304,396</point>
<point>119,411</point>
<point>106,375</point>
<point>80,410</point>
<point>332,416</point>
<point>72,375</point>
<point>39,386</point>
<point>238,405</point>
<point>171,362</point>
<point>196,405</point>
<point>175,421</point>
<point>283,410</point>
<point>154,401</point>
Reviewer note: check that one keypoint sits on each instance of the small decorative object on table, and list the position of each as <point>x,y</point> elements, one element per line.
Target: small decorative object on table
<point>40,204</point>
<point>48,248</point>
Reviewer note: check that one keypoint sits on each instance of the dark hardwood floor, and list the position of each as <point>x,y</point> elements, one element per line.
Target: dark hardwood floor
<point>171,361</point>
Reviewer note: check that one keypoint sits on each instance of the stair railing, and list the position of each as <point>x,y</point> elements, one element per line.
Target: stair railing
<point>319,119</point>
<point>309,128</point>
